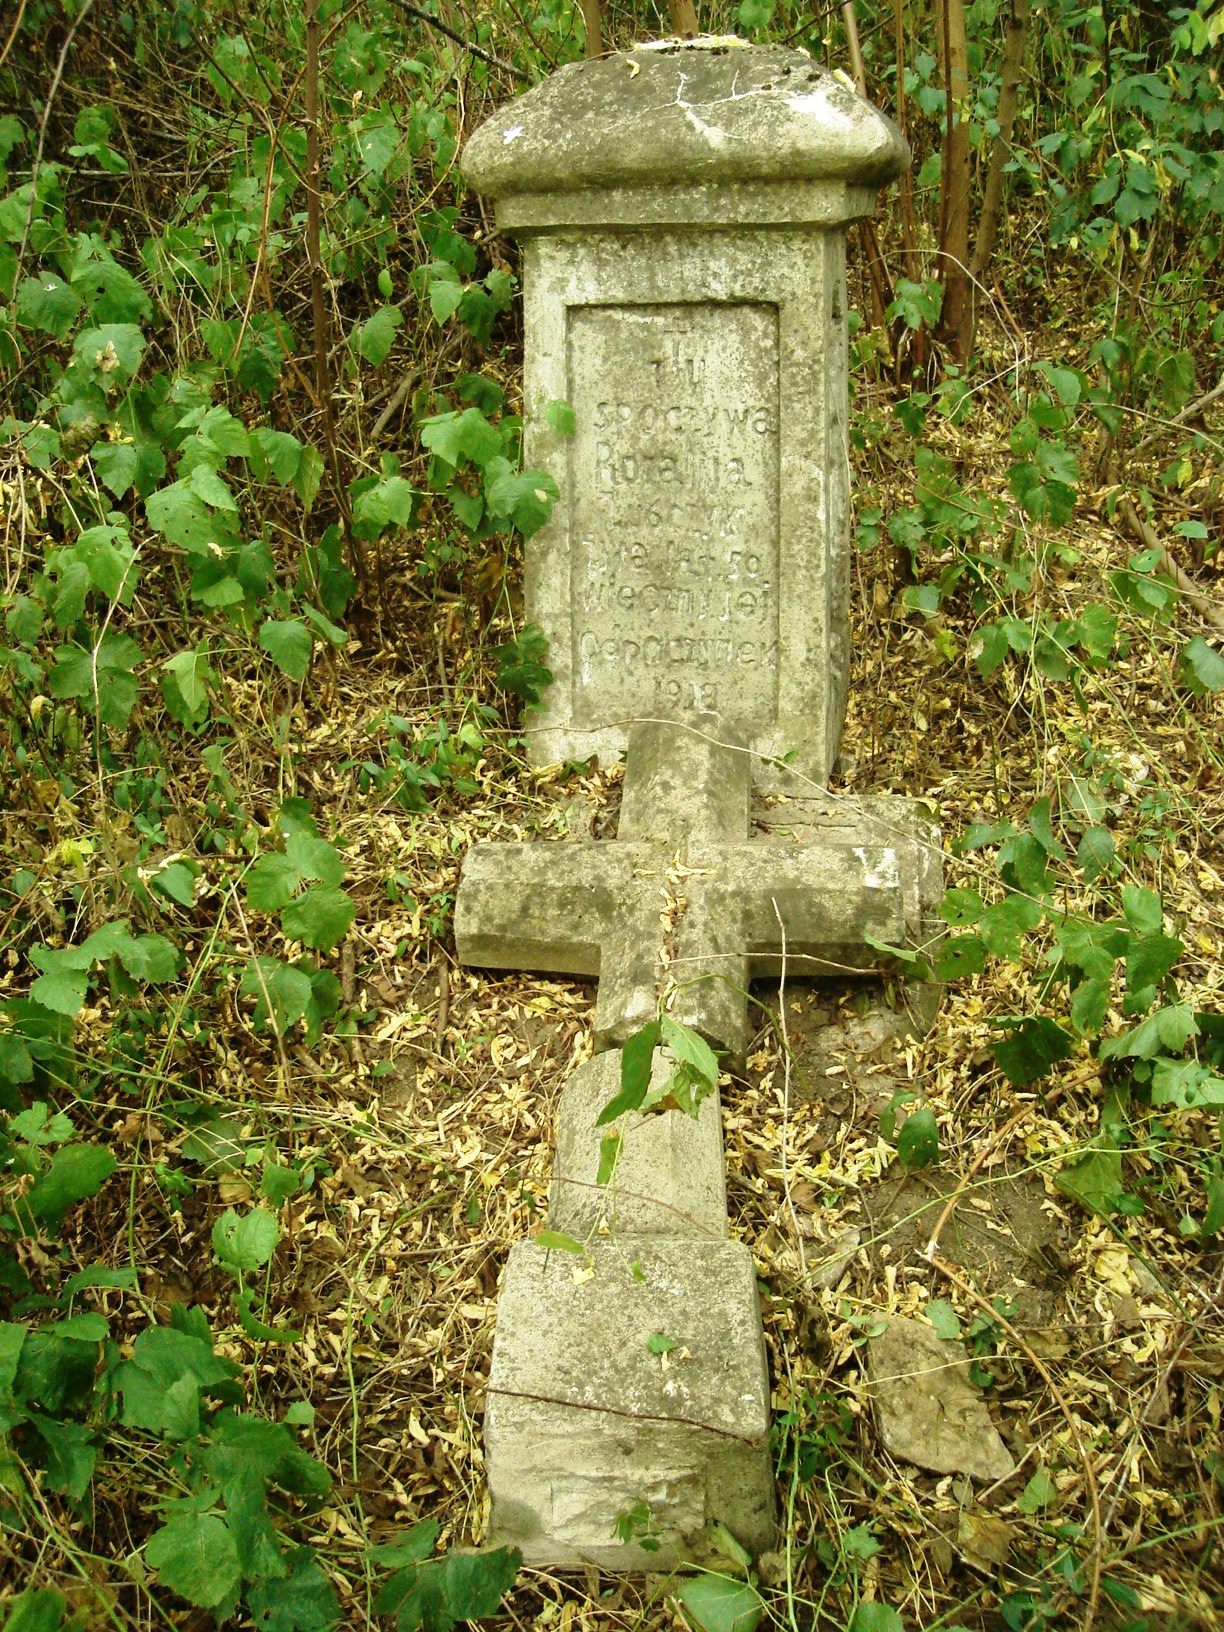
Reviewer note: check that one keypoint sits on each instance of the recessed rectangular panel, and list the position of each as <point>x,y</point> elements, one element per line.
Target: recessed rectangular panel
<point>673,513</point>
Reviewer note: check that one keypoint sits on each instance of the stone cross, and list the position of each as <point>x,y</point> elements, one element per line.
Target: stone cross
<point>682,210</point>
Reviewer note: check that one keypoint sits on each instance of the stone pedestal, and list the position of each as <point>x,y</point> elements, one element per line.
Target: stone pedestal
<point>683,211</point>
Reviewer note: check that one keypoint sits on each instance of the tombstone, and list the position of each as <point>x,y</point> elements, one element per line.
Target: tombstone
<point>682,210</point>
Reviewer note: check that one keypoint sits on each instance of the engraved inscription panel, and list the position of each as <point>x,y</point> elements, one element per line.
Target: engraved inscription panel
<point>673,496</point>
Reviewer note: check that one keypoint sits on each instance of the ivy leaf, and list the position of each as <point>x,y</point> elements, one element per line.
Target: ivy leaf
<point>245,1241</point>
<point>1034,1047</point>
<point>719,1604</point>
<point>377,334</point>
<point>320,918</point>
<point>288,643</point>
<point>918,1141</point>
<point>961,908</point>
<point>195,1556</point>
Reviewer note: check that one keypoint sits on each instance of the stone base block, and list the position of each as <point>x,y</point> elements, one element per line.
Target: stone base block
<point>669,1179</point>
<point>585,1425</point>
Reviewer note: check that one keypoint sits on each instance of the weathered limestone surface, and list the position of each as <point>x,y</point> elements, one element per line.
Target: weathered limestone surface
<point>669,1177</point>
<point>583,1422</point>
<point>927,1410</point>
<point>698,562</point>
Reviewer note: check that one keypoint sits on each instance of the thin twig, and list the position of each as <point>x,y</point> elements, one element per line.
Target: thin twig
<point>1207,609</point>
<point>1094,1495</point>
<point>475,50</point>
<point>1179,418</point>
<point>42,132</point>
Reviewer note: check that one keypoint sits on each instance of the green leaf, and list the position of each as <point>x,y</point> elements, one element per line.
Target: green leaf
<point>71,1452</point>
<point>1149,958</point>
<point>1202,667</point>
<point>63,992</point>
<point>392,503</point>
<point>458,436</point>
<point>38,1609</point>
<point>377,334</point>
<point>520,664</point>
<point>283,994</point>
<point>16,1062</point>
<point>961,907</point>
<point>271,882</point>
<point>275,451</point>
<point>609,1155</point>
<point>1142,908</point>
<point>876,1618</point>
<point>1038,1493</point>
<point>1034,1047</point>
<point>445,298</point>
<point>309,476</point>
<point>177,882</point>
<point>1090,1006</point>
<point>1165,1032</point>
<point>414,1547</point>
<point>320,918</point>
<point>657,1343</point>
<point>150,957</point>
<point>1095,1177</point>
<point>477,1582</point>
<point>47,303</point>
<point>959,957</point>
<point>918,1141</point>
<point>1003,926</point>
<point>288,643</point>
<point>1095,854</point>
<point>303,1601</point>
<point>1188,1084</point>
<point>195,1556</point>
<point>637,1056</point>
<point>313,857</point>
<point>245,1241</point>
<point>1213,1217</point>
<point>75,1173</point>
<point>718,1604</point>
<point>525,499</point>
<point>557,1241</point>
<point>113,350</point>
<point>686,1045</point>
<point>943,1318</point>
<point>560,416</point>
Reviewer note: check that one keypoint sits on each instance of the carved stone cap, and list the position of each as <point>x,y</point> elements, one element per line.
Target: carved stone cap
<point>714,115</point>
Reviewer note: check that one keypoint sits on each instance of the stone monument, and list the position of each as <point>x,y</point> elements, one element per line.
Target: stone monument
<point>682,210</point>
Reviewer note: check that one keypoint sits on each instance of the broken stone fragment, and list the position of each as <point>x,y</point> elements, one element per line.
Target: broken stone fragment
<point>927,1410</point>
